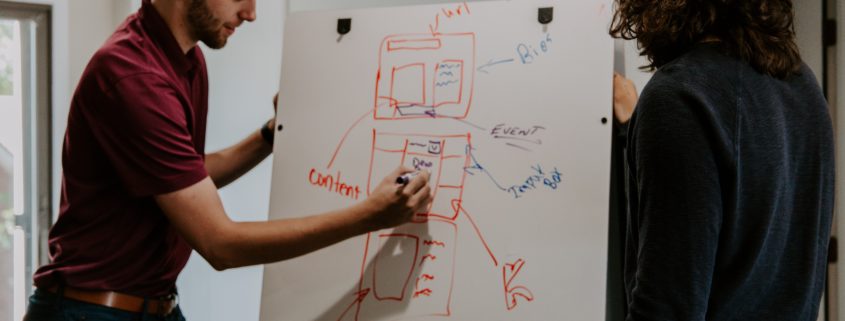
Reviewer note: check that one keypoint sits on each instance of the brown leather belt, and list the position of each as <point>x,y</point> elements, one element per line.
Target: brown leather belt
<point>159,307</point>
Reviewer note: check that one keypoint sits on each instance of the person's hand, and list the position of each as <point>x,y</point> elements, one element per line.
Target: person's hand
<point>391,204</point>
<point>272,122</point>
<point>624,98</point>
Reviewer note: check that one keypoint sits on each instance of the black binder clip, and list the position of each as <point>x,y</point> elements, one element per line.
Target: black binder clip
<point>545,15</point>
<point>344,25</point>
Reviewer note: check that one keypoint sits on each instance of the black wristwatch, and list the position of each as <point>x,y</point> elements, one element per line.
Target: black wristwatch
<point>267,133</point>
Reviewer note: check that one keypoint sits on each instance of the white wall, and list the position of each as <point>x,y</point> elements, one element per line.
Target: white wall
<point>305,5</point>
<point>808,26</point>
<point>95,20</point>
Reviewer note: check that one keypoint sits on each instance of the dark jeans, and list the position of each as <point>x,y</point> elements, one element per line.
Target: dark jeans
<point>47,306</point>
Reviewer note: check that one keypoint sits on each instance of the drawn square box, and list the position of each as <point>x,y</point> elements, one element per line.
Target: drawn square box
<point>407,85</point>
<point>448,82</point>
<point>412,270</point>
<point>447,76</point>
<point>393,265</point>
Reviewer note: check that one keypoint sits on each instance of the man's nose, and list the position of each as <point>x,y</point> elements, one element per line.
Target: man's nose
<point>248,12</point>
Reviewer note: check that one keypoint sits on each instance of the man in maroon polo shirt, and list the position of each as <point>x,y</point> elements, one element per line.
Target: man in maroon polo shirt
<point>139,192</point>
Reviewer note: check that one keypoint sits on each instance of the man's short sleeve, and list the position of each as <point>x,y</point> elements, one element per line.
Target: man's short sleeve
<point>144,127</point>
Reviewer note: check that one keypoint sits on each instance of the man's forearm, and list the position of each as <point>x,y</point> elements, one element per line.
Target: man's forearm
<point>231,163</point>
<point>197,213</point>
<point>251,243</point>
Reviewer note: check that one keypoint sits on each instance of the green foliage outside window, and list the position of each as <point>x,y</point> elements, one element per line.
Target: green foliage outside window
<point>6,71</point>
<point>7,221</point>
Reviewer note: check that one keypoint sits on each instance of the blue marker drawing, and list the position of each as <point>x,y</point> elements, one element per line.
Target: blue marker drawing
<point>537,179</point>
<point>527,53</point>
<point>492,63</point>
<point>552,182</point>
<point>449,66</point>
<point>416,110</point>
<point>477,167</point>
<point>445,83</point>
<point>519,147</point>
<point>471,124</point>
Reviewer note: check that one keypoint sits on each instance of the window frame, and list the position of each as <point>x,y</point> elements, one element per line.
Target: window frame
<point>36,94</point>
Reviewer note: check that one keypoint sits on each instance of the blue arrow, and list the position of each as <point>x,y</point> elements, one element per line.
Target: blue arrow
<point>492,63</point>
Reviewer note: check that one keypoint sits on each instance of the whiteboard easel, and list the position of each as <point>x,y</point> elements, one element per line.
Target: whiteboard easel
<point>512,116</point>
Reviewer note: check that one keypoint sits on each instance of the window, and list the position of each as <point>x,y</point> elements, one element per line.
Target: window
<point>24,150</point>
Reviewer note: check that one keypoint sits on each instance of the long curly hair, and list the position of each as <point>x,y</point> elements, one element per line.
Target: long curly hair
<point>760,32</point>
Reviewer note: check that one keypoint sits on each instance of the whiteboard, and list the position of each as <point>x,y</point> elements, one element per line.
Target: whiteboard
<point>513,118</point>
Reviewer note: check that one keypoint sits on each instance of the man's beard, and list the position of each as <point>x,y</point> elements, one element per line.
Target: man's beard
<point>205,26</point>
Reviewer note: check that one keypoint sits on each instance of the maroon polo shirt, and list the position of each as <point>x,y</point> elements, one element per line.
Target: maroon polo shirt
<point>136,129</point>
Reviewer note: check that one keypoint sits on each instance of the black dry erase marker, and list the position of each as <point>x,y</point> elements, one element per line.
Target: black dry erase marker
<point>405,178</point>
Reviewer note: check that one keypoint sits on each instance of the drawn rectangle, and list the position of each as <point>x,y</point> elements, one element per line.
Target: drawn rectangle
<point>450,58</point>
<point>398,258</point>
<point>407,85</point>
<point>413,44</point>
<point>448,82</point>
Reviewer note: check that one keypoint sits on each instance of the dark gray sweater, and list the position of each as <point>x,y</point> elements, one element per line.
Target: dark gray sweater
<point>731,177</point>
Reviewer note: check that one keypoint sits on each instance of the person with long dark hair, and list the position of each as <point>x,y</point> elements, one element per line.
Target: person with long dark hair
<point>731,165</point>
